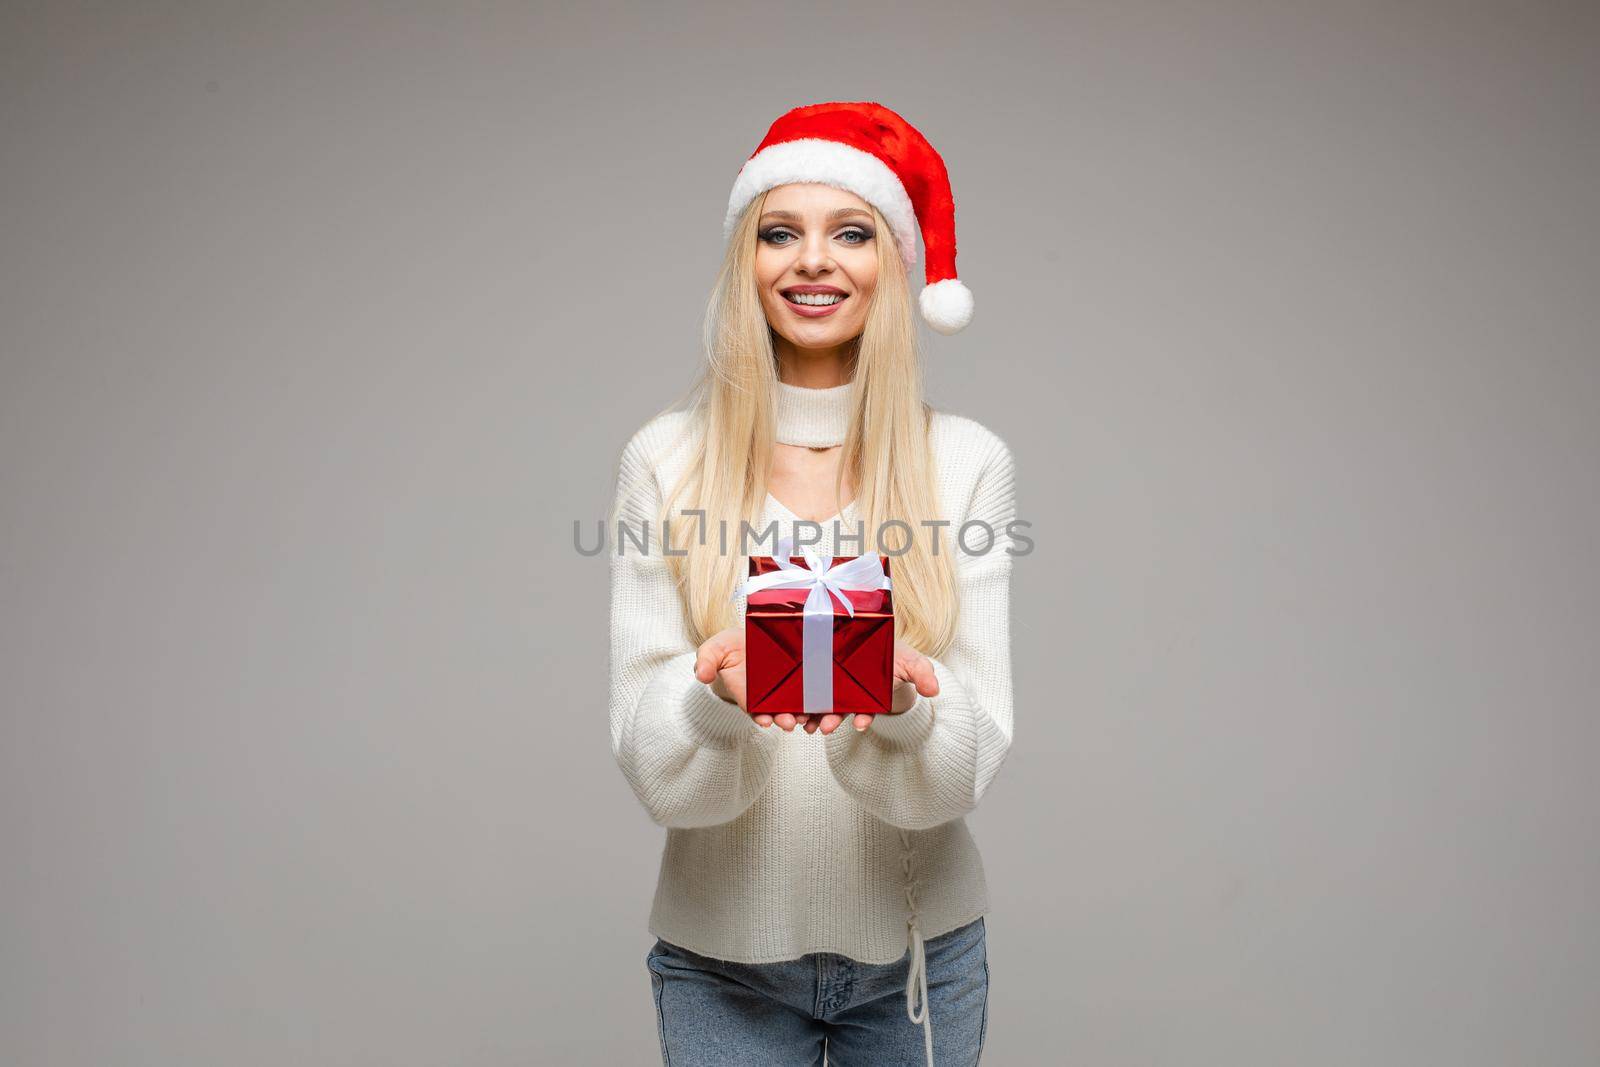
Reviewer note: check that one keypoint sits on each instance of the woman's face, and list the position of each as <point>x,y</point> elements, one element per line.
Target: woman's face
<point>815,239</point>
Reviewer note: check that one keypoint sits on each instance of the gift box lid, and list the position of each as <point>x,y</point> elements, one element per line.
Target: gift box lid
<point>788,600</point>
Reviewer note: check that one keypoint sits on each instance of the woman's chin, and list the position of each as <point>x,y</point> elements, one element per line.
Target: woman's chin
<point>832,335</point>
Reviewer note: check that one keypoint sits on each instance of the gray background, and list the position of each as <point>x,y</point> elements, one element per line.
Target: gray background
<point>321,325</point>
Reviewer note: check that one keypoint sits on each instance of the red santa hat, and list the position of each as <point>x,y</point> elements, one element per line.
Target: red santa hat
<point>869,150</point>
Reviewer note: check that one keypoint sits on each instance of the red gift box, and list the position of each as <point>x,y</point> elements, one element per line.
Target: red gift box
<point>862,646</point>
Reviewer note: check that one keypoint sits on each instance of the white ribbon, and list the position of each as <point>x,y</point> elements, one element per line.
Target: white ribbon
<point>819,576</point>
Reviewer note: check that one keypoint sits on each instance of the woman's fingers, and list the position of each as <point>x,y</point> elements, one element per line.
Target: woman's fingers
<point>711,656</point>
<point>812,723</point>
<point>912,666</point>
<point>788,721</point>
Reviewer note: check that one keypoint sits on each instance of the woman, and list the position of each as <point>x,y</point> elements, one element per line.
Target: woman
<point>807,881</point>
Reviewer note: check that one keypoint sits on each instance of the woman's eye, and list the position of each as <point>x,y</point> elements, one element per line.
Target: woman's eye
<point>852,236</point>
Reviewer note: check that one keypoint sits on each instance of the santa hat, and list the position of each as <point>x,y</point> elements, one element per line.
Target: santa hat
<point>869,150</point>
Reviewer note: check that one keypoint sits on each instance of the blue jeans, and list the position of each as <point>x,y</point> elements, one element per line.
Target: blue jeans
<point>713,1013</point>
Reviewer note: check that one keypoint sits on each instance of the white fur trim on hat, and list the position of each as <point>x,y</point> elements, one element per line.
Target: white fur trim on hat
<point>946,305</point>
<point>833,163</point>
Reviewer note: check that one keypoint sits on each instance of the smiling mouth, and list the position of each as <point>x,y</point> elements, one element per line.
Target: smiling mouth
<point>815,300</point>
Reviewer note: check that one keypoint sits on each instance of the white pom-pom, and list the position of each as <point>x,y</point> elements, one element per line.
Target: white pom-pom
<point>946,305</point>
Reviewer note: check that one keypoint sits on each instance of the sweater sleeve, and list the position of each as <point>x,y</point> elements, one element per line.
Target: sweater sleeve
<point>933,762</point>
<point>692,758</point>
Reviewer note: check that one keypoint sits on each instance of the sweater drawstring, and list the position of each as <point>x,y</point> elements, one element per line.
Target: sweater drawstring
<point>917,975</point>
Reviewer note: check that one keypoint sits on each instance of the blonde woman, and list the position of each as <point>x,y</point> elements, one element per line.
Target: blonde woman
<point>817,871</point>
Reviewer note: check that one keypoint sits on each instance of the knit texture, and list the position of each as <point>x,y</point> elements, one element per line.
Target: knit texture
<point>780,844</point>
<point>815,418</point>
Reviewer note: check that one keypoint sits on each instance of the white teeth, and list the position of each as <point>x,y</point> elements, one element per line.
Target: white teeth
<point>817,299</point>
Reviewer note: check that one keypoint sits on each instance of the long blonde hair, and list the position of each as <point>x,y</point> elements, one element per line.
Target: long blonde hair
<point>886,448</point>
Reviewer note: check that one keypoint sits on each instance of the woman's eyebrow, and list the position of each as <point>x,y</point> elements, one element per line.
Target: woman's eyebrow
<point>790,216</point>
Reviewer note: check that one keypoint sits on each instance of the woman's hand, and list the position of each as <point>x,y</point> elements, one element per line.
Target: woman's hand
<point>913,675</point>
<point>720,665</point>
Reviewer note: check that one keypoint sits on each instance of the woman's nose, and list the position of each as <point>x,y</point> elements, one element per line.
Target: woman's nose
<point>814,253</point>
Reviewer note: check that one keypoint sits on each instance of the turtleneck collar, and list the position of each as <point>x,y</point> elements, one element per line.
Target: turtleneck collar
<point>815,418</point>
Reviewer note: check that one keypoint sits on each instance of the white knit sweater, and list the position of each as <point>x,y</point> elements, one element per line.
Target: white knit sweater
<point>778,843</point>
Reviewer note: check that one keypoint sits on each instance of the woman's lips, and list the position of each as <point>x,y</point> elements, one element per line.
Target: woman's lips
<point>814,311</point>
